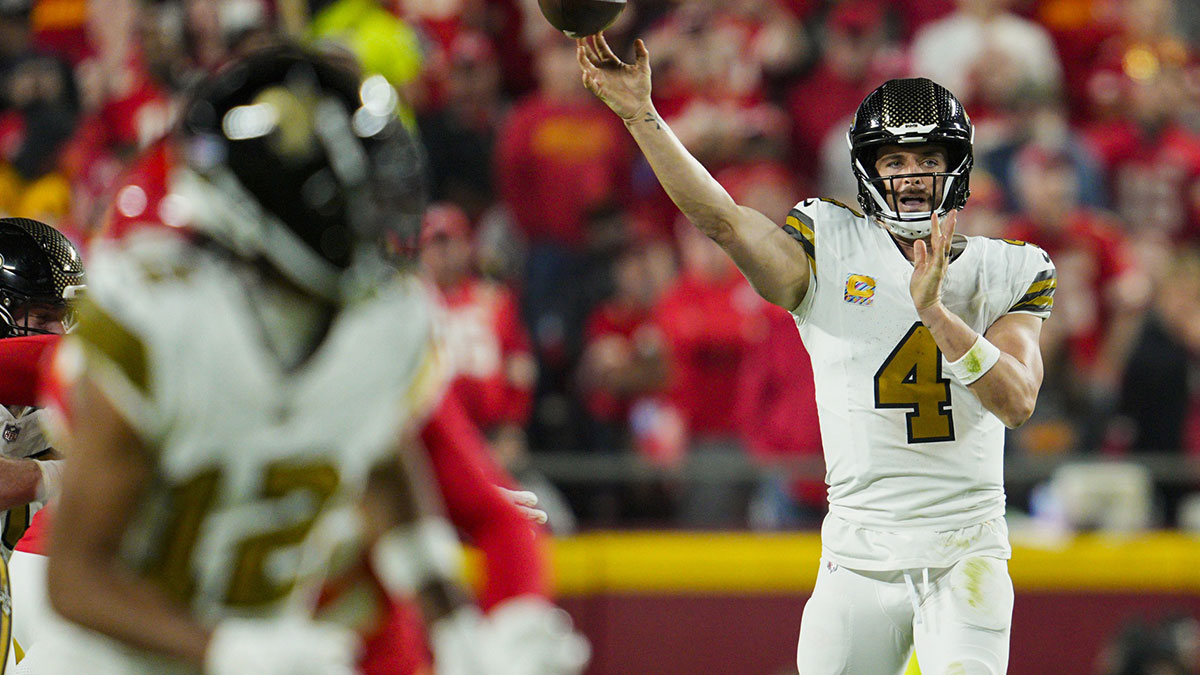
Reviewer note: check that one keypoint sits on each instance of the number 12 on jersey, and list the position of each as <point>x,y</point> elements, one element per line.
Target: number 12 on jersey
<point>911,377</point>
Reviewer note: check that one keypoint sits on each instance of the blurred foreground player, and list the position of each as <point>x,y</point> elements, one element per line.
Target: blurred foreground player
<point>924,347</point>
<point>242,404</point>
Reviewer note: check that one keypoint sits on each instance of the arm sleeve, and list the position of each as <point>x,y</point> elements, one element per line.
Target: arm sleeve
<point>801,225</point>
<point>1035,284</point>
<point>21,361</point>
<point>512,547</point>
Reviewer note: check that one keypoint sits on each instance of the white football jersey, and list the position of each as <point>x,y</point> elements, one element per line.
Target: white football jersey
<point>909,451</point>
<point>21,437</point>
<point>258,466</point>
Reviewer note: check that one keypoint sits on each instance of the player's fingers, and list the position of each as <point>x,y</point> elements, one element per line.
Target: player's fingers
<point>643,54</point>
<point>951,223</point>
<point>919,253</point>
<point>585,61</point>
<point>590,51</point>
<point>605,50</point>
<point>594,43</point>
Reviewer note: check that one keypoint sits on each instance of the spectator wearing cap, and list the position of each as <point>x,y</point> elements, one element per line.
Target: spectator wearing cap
<point>486,342</point>
<point>488,350</point>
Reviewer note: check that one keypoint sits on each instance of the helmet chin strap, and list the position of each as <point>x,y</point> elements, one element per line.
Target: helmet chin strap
<point>907,229</point>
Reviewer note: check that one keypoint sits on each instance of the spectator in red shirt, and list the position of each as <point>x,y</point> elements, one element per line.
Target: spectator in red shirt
<point>1102,290</point>
<point>489,350</point>
<point>623,358</point>
<point>711,319</point>
<point>560,156</point>
<point>777,411</point>
<point>1152,159</point>
<point>486,342</point>
<point>855,59</point>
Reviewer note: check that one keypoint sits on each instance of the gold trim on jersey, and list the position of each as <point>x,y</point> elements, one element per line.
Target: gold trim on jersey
<point>800,227</point>
<point>5,614</point>
<point>1039,298</point>
<point>101,332</point>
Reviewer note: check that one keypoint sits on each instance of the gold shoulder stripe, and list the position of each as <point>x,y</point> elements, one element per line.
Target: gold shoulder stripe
<point>1039,297</point>
<point>800,227</point>
<point>100,332</point>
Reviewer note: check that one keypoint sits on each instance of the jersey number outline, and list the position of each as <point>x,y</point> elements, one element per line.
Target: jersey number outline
<point>911,377</point>
<point>249,585</point>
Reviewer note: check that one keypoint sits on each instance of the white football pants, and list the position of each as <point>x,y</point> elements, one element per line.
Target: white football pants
<point>867,623</point>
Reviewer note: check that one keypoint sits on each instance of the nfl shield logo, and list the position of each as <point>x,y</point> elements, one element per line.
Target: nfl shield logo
<point>11,432</point>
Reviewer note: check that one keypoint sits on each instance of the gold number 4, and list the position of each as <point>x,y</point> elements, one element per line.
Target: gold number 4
<point>911,377</point>
<point>249,585</point>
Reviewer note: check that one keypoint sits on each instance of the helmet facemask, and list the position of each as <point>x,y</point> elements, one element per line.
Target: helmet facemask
<point>910,112</point>
<point>880,195</point>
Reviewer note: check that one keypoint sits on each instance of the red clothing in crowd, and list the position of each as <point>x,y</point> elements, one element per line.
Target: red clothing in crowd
<point>1097,254</point>
<point>776,402</point>
<point>816,105</point>
<point>556,162</point>
<point>709,328</point>
<point>487,342</point>
<point>1154,180</point>
<point>613,320</point>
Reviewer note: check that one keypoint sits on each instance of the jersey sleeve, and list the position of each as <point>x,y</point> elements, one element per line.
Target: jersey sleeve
<point>801,225</point>
<point>1034,283</point>
<point>112,347</point>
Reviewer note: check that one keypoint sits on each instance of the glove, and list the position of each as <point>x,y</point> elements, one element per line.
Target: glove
<point>456,643</point>
<point>529,636</point>
<point>287,646</point>
<point>526,503</point>
<point>521,636</point>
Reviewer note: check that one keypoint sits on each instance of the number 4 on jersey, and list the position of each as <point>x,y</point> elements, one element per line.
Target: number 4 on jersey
<point>911,377</point>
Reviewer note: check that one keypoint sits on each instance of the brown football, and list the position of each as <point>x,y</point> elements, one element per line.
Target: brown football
<point>580,18</point>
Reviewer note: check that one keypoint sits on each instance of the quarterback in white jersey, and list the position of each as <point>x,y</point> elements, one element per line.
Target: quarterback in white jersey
<point>924,347</point>
<point>240,397</point>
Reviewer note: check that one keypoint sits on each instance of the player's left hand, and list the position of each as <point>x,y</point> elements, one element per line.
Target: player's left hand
<point>930,260</point>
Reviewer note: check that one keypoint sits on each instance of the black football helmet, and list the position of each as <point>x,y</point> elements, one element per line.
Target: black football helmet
<point>291,158</point>
<point>916,111</point>
<point>38,266</point>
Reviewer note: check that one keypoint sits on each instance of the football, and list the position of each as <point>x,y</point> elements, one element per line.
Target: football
<point>580,18</point>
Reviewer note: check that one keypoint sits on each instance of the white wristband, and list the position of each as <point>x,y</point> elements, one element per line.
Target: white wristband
<point>51,483</point>
<point>407,558</point>
<point>978,360</point>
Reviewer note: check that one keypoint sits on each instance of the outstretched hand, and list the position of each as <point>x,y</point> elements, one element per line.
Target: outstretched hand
<point>622,86</point>
<point>930,261</point>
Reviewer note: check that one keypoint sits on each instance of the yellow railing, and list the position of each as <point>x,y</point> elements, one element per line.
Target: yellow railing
<point>743,563</point>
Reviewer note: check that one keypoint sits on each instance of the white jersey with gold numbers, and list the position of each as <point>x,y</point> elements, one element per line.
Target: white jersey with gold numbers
<point>914,462</point>
<point>258,465</point>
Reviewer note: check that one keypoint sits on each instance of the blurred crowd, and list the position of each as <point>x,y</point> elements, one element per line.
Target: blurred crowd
<point>583,315</point>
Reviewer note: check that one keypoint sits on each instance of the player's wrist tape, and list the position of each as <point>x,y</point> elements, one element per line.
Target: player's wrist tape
<point>51,483</point>
<point>408,557</point>
<point>978,360</point>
